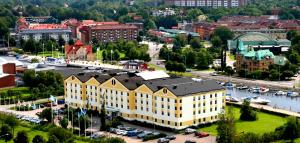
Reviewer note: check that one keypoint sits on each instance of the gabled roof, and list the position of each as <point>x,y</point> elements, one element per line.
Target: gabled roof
<point>70,49</point>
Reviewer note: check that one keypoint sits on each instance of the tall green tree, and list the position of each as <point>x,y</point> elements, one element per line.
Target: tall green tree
<point>224,34</point>
<point>103,126</point>
<point>22,137</point>
<point>226,128</point>
<point>47,114</point>
<point>247,113</point>
<point>38,139</point>
<point>12,121</point>
<point>196,43</point>
<point>6,133</point>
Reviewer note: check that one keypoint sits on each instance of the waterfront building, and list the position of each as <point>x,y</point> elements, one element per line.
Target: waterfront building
<point>207,3</point>
<point>257,51</point>
<point>260,41</point>
<point>151,97</point>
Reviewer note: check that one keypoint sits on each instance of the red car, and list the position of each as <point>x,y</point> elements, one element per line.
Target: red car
<point>201,134</point>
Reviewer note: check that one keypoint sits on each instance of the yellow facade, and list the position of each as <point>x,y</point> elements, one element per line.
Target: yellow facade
<point>114,84</point>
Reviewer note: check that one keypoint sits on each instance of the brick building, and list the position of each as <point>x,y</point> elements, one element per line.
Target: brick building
<point>79,51</point>
<point>257,51</point>
<point>108,33</point>
<point>207,3</point>
<point>39,29</point>
<point>7,74</point>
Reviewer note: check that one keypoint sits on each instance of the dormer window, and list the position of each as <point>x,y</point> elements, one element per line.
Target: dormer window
<point>165,91</point>
<point>113,82</point>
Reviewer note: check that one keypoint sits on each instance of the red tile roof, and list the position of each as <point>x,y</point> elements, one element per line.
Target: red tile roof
<point>70,49</point>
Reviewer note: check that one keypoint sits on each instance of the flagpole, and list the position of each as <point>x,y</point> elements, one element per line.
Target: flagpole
<point>84,127</point>
<point>79,124</point>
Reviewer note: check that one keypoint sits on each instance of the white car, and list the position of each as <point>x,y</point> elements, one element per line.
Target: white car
<point>121,132</point>
<point>189,131</point>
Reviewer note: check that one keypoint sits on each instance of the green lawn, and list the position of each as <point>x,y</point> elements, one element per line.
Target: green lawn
<point>156,67</point>
<point>232,57</point>
<point>56,54</point>
<point>265,123</point>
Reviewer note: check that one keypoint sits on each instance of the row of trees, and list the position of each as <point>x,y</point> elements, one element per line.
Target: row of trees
<point>43,84</point>
<point>131,50</point>
<point>194,56</point>
<point>33,46</point>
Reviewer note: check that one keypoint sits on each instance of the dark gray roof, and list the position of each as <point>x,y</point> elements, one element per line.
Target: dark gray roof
<point>181,86</point>
<point>131,82</point>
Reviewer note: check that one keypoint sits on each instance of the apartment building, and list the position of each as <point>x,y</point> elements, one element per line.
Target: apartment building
<point>151,97</point>
<point>109,33</point>
<point>207,3</point>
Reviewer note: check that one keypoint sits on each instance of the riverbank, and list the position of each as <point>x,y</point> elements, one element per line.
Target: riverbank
<point>268,109</point>
<point>284,85</point>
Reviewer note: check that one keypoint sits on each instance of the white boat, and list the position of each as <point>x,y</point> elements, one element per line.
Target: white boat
<point>254,89</point>
<point>280,93</point>
<point>242,87</point>
<point>258,100</point>
<point>232,99</point>
<point>55,62</point>
<point>292,94</point>
<point>264,90</point>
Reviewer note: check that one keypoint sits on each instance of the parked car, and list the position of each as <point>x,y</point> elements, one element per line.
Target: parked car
<point>170,137</point>
<point>189,141</point>
<point>156,133</point>
<point>201,134</point>
<point>189,131</point>
<point>124,132</point>
<point>118,131</point>
<point>97,135</point>
<point>132,133</point>
<point>213,74</point>
<point>112,130</point>
<point>163,140</point>
<point>143,134</point>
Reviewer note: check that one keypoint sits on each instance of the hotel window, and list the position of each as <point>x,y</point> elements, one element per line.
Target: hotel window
<point>210,95</point>
<point>162,121</point>
<point>175,123</point>
<point>215,108</point>
<point>216,95</point>
<point>203,110</point>
<point>162,99</point>
<point>168,122</point>
<point>204,97</point>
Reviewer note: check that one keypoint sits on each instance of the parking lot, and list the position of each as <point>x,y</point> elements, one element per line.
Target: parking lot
<point>180,138</point>
<point>131,133</point>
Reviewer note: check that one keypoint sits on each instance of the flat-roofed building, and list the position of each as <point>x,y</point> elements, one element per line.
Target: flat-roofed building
<point>207,3</point>
<point>109,33</point>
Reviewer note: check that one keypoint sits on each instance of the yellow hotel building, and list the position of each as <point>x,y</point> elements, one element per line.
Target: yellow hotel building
<point>173,102</point>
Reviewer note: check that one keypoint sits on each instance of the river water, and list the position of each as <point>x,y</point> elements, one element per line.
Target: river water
<point>282,102</point>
